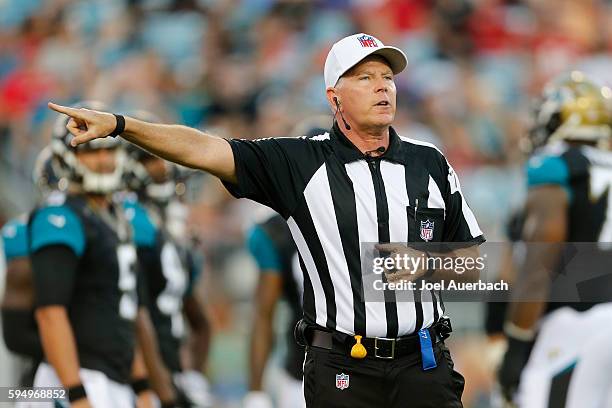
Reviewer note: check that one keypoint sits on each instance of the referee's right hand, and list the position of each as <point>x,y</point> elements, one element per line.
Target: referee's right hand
<point>85,124</point>
<point>183,145</point>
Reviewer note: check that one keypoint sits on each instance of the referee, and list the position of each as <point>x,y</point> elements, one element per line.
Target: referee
<point>359,182</point>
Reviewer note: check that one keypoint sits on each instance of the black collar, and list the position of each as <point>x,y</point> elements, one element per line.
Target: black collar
<point>348,152</point>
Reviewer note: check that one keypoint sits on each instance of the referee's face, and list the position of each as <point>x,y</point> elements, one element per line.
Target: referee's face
<point>367,94</point>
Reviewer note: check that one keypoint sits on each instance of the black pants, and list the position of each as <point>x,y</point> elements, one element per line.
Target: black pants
<point>374,383</point>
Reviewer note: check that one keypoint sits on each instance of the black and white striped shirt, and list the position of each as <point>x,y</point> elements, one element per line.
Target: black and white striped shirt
<point>334,198</point>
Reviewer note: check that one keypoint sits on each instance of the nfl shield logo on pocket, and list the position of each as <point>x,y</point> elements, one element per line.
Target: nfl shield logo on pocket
<point>342,381</point>
<point>427,230</point>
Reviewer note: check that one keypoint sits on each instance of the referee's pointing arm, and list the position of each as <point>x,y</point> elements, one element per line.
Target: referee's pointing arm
<point>176,143</point>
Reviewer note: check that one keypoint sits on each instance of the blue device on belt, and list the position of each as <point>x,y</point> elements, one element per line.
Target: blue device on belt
<point>427,353</point>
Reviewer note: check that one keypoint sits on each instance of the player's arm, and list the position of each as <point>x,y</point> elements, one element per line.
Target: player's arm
<point>56,246</point>
<point>199,337</point>
<point>195,313</point>
<point>546,223</point>
<point>16,295</point>
<point>140,383</point>
<point>176,143</point>
<point>159,376</point>
<point>14,245</point>
<point>58,343</point>
<point>269,291</point>
<point>20,335</point>
<point>546,228</point>
<point>52,296</point>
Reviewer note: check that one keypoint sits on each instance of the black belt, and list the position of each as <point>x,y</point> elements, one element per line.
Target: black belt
<point>377,347</point>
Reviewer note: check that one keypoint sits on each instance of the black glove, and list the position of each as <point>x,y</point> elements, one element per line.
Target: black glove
<point>512,365</point>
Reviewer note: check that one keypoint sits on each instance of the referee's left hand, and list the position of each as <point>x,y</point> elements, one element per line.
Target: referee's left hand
<point>414,270</point>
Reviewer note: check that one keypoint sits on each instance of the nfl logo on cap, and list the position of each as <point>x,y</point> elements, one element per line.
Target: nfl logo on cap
<point>367,41</point>
<point>342,381</point>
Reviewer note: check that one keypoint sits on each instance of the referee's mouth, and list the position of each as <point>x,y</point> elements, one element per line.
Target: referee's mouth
<point>383,104</point>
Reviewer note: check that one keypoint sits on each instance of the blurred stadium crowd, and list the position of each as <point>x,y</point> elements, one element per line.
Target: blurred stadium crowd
<point>254,68</point>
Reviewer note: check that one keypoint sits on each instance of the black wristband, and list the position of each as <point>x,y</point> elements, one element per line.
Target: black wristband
<point>171,404</point>
<point>76,392</point>
<point>120,127</point>
<point>140,385</point>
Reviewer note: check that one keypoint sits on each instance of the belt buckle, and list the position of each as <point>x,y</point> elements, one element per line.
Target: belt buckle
<point>384,339</point>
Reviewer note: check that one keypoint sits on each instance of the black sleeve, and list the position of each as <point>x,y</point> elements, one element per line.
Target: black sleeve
<point>54,270</point>
<point>273,171</point>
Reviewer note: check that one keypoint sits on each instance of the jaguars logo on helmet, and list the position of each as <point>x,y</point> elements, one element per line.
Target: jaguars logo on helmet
<point>572,107</point>
<point>76,172</point>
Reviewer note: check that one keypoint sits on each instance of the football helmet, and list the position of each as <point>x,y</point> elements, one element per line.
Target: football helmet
<point>48,174</point>
<point>137,176</point>
<point>572,107</point>
<point>78,173</point>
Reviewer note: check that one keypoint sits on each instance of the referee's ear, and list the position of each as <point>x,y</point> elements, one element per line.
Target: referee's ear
<point>331,93</point>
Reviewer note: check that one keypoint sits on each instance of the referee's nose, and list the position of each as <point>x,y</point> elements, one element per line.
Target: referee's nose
<point>381,85</point>
<point>384,89</point>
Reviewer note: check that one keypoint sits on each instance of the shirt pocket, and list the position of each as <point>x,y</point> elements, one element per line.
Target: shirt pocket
<point>425,224</point>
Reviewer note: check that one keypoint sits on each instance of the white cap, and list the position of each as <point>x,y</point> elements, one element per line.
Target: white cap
<point>350,50</point>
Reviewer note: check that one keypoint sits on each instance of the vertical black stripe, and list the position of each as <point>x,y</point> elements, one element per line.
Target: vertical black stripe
<point>310,311</point>
<point>559,386</point>
<point>418,309</point>
<point>417,188</point>
<point>435,305</point>
<point>303,219</point>
<point>345,207</point>
<point>382,218</point>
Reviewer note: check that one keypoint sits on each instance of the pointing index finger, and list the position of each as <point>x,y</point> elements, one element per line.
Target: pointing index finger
<point>72,112</point>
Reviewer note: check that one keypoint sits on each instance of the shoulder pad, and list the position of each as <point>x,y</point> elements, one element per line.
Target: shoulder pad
<point>546,169</point>
<point>145,232</point>
<point>14,238</point>
<point>57,225</point>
